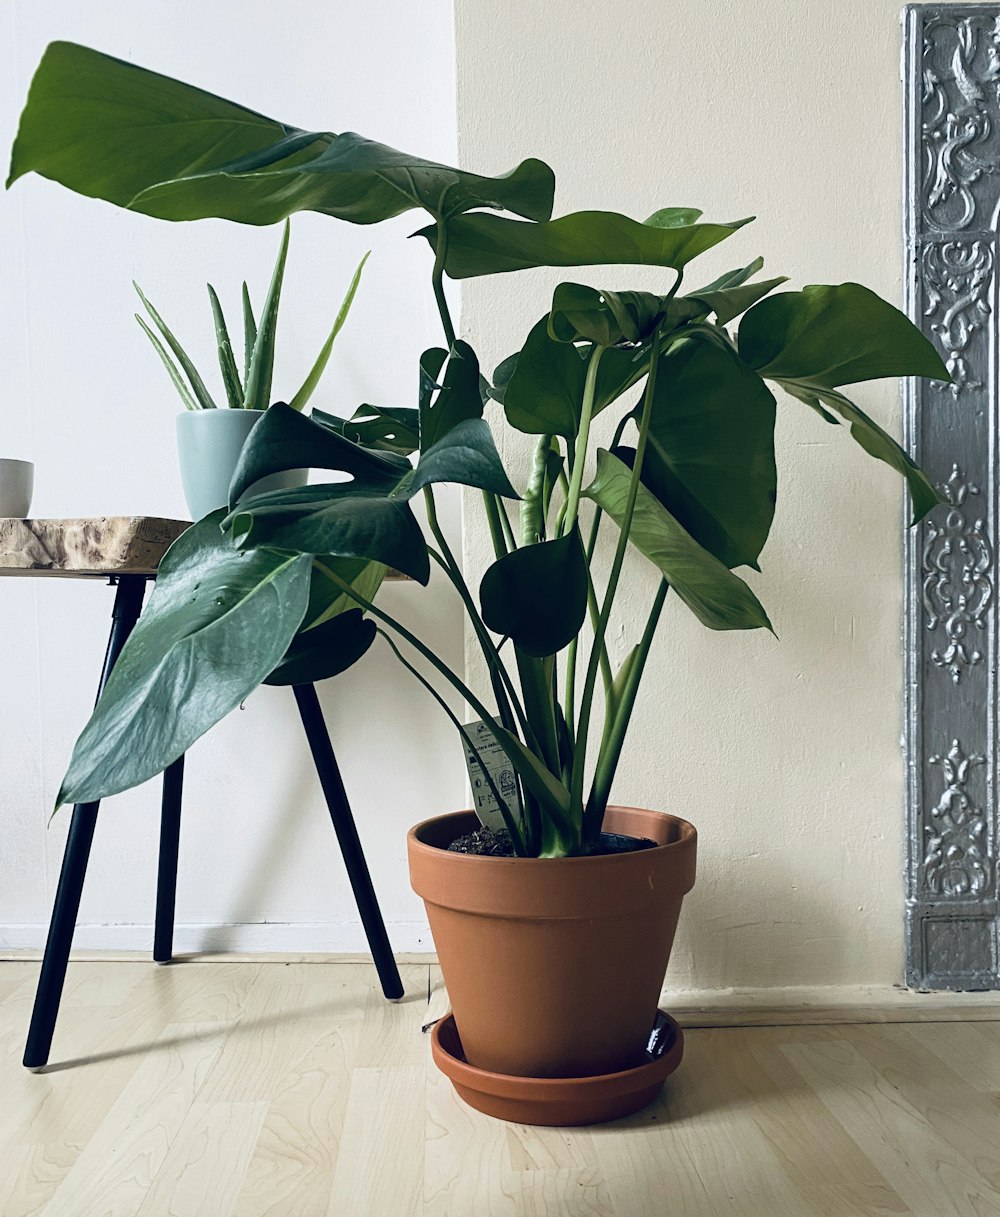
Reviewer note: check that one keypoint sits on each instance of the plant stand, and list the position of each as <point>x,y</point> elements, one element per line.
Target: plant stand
<point>126,551</point>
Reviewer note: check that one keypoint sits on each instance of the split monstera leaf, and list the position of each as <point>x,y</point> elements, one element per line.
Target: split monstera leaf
<point>281,588</point>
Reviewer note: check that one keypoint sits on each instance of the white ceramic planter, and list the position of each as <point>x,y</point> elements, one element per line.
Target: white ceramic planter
<point>208,447</point>
<point>17,479</point>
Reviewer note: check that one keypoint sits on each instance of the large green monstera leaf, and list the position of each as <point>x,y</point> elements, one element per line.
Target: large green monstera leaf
<point>114,131</point>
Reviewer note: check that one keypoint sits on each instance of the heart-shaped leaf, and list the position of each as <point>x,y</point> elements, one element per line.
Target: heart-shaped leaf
<point>537,595</point>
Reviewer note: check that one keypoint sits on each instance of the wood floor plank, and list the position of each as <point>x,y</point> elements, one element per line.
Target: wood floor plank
<point>831,1172</point>
<point>929,1174</point>
<point>972,1051</point>
<point>207,1161</point>
<point>291,1170</point>
<point>116,1168</point>
<point>477,1165</point>
<point>385,1115</point>
<point>705,1141</point>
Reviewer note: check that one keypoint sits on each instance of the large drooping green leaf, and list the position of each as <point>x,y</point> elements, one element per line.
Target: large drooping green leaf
<point>537,595</point>
<point>339,518</point>
<point>285,439</point>
<point>812,341</point>
<point>710,457</point>
<point>717,597</point>
<point>217,623</point>
<point>109,129</point>
<point>325,651</point>
<point>543,389</point>
<point>482,244</point>
<point>368,516</point>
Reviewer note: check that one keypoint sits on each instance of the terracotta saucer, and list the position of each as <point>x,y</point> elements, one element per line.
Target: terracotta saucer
<point>557,1101</point>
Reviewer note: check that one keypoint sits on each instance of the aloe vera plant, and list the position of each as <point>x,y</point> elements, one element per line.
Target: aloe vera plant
<point>250,390</point>
<point>689,479</point>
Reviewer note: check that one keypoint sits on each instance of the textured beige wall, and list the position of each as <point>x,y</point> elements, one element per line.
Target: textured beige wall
<point>784,753</point>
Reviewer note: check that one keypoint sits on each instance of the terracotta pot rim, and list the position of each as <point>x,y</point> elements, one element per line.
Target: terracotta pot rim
<point>688,832</point>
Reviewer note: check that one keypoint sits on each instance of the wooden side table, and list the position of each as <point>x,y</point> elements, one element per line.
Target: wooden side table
<point>126,551</point>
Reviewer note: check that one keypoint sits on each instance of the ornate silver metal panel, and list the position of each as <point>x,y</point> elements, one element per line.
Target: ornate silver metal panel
<point>951,78</point>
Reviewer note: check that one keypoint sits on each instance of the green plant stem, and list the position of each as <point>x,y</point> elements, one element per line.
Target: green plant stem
<point>493,510</point>
<point>582,439</point>
<point>595,526</point>
<point>437,279</point>
<point>586,702</point>
<point>505,524</point>
<point>617,725</point>
<point>503,686</point>
<point>493,518</point>
<point>517,837</point>
<point>607,677</point>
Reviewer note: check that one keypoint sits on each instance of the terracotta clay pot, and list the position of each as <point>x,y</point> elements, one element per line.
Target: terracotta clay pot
<point>554,966</point>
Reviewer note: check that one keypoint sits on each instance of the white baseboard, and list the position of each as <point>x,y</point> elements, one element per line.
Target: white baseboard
<point>268,937</point>
<point>345,943</point>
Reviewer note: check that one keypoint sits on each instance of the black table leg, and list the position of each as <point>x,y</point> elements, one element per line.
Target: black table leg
<point>166,872</point>
<point>347,835</point>
<point>128,605</point>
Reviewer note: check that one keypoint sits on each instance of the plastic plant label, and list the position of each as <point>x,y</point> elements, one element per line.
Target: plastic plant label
<point>500,770</point>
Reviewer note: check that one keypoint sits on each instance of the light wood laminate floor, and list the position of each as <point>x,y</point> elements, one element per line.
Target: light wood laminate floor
<point>294,1090</point>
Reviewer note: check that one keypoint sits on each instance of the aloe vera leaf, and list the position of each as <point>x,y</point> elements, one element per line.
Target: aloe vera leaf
<point>319,367</point>
<point>227,364</point>
<point>249,332</point>
<point>190,371</point>
<point>258,386</point>
<point>187,397</point>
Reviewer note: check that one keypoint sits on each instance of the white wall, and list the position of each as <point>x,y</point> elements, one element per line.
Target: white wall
<point>84,397</point>
<point>784,753</point>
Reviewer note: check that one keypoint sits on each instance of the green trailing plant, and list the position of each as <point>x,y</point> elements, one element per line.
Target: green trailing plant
<point>689,479</point>
<point>251,389</point>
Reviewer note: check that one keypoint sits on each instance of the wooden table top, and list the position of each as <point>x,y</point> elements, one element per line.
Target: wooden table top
<point>88,547</point>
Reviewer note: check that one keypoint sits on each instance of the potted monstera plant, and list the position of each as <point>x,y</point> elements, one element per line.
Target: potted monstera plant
<point>553,931</point>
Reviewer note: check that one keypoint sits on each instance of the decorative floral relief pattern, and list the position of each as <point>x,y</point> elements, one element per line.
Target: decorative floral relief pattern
<point>955,862</point>
<point>957,576</point>
<point>961,72</point>
<point>957,276</point>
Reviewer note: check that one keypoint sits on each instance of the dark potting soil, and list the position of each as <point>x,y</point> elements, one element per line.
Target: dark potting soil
<point>487,843</point>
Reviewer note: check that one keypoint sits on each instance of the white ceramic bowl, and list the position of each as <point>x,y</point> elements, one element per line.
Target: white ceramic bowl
<point>16,484</point>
